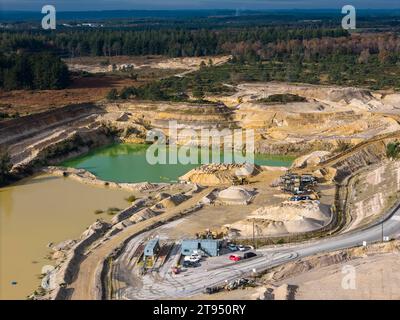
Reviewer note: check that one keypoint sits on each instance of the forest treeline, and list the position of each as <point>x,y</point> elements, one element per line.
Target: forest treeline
<point>371,61</point>
<point>304,54</point>
<point>173,42</point>
<point>385,45</point>
<point>33,71</point>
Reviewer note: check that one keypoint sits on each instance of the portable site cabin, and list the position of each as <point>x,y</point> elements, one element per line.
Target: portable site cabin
<point>152,248</point>
<point>210,246</point>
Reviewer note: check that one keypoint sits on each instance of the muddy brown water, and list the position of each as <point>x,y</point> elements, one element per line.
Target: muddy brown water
<point>40,210</point>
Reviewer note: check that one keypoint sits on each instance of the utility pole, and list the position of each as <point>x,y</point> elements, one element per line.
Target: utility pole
<point>254,236</point>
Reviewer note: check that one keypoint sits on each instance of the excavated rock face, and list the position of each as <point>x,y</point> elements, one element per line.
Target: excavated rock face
<point>187,115</point>
<point>52,135</point>
<point>299,128</point>
<point>330,115</point>
<point>342,165</point>
<point>292,128</point>
<point>345,164</point>
<point>15,130</point>
<point>373,153</point>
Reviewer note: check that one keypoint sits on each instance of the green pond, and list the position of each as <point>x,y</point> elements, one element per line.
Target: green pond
<point>128,163</point>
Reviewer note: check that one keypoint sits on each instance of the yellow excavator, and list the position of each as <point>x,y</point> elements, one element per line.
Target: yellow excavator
<point>211,234</point>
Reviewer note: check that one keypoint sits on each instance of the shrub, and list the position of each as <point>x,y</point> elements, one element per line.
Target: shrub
<point>127,92</point>
<point>282,98</point>
<point>5,167</point>
<point>131,198</point>
<point>112,95</point>
<point>342,146</point>
<point>112,211</point>
<point>392,150</point>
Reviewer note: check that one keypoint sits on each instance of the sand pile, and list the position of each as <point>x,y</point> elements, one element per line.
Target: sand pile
<point>171,201</point>
<point>235,195</point>
<point>162,195</point>
<point>143,215</point>
<point>262,227</point>
<point>219,174</point>
<point>288,217</point>
<point>191,63</point>
<point>167,203</point>
<point>311,159</point>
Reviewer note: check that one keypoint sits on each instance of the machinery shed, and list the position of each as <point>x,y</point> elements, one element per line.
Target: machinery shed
<point>152,248</point>
<point>210,246</point>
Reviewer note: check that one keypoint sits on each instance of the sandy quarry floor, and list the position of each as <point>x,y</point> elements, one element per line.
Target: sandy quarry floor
<point>377,277</point>
<point>100,64</point>
<point>216,216</point>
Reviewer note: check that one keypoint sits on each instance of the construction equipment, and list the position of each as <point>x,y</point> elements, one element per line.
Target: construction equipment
<point>211,234</point>
<point>240,181</point>
<point>298,184</point>
<point>238,283</point>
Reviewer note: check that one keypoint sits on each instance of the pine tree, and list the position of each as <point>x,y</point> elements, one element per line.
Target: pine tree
<point>112,95</point>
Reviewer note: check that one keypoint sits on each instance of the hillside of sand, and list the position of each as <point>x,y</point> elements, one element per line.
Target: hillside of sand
<point>285,218</point>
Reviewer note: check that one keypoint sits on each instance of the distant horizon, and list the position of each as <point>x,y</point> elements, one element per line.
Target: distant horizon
<point>179,5</point>
<point>203,9</point>
<point>104,14</point>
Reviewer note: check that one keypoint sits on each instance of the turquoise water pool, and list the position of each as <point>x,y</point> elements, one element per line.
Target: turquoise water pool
<point>128,163</point>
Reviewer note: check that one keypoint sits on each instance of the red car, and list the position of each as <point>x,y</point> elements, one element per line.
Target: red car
<point>234,258</point>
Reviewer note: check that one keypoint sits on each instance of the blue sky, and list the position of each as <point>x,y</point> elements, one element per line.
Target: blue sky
<point>83,5</point>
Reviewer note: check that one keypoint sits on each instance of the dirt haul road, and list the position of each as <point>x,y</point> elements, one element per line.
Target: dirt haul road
<point>344,155</point>
<point>85,286</point>
<point>191,283</point>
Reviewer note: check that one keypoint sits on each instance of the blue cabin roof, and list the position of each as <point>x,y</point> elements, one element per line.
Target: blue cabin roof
<point>209,246</point>
<point>150,246</point>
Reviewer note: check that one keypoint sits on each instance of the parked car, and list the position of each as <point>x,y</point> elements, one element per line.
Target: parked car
<point>192,258</point>
<point>242,248</point>
<point>300,198</point>
<point>189,264</point>
<point>238,283</point>
<point>234,257</point>
<point>211,290</point>
<point>248,255</point>
<point>232,247</point>
<point>199,253</point>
